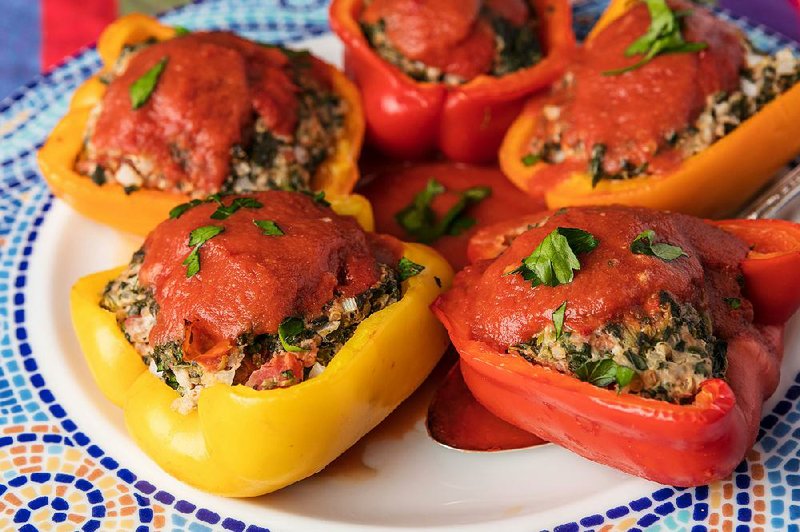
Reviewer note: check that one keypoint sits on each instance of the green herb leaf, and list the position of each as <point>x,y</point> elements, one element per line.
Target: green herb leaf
<point>180,31</point>
<point>558,319</point>
<point>197,238</point>
<point>419,220</point>
<point>287,331</point>
<point>318,197</point>
<point>203,234</point>
<point>645,244</point>
<point>223,211</point>
<point>603,373</point>
<point>141,89</point>
<point>663,36</point>
<point>531,159</point>
<point>624,376</point>
<point>407,268</point>
<point>268,227</point>
<point>192,263</point>
<point>734,302</point>
<point>554,261</point>
<point>178,210</point>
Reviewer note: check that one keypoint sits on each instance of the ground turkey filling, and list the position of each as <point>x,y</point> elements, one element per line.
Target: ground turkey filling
<point>670,353</point>
<point>453,41</point>
<point>635,152</point>
<point>252,358</point>
<point>254,117</point>
<point>630,321</point>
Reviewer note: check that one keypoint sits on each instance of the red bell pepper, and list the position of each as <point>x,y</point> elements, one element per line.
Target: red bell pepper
<point>407,118</point>
<point>772,269</point>
<point>683,445</point>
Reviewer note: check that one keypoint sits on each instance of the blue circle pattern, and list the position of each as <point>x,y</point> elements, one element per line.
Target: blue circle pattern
<point>28,115</point>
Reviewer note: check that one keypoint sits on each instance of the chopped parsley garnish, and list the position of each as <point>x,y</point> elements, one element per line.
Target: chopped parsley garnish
<point>318,197</point>
<point>178,210</point>
<point>604,373</point>
<point>734,302</point>
<point>554,261</point>
<point>268,227</point>
<point>141,89</point>
<point>288,331</point>
<point>531,159</point>
<point>407,268</point>
<point>224,211</point>
<point>197,238</point>
<point>180,31</point>
<point>645,244</point>
<point>662,37</point>
<point>558,319</point>
<point>420,221</point>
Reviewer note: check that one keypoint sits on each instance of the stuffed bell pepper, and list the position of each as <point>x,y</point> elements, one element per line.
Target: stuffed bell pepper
<point>643,340</point>
<point>665,106</point>
<point>254,338</point>
<point>175,115</point>
<point>450,74</point>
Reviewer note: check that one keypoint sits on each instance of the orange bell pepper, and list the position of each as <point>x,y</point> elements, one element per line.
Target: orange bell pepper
<point>142,210</point>
<point>713,183</point>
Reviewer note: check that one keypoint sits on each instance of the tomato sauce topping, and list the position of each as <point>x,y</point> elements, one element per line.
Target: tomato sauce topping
<point>634,113</point>
<point>446,34</point>
<point>249,282</point>
<point>392,187</point>
<point>504,309</point>
<point>211,90</point>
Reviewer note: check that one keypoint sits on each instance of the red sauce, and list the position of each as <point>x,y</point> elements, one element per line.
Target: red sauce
<point>392,187</point>
<point>633,113</point>
<point>503,310</point>
<point>458,420</point>
<point>211,90</point>
<point>446,34</point>
<point>249,282</point>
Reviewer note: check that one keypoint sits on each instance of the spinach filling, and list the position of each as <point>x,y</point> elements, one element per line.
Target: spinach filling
<point>664,356</point>
<point>764,78</point>
<point>262,161</point>
<point>314,340</point>
<point>516,48</point>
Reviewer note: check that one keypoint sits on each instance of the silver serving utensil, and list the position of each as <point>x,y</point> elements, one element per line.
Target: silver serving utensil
<point>769,202</point>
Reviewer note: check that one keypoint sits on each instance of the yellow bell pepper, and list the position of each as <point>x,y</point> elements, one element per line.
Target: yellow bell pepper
<point>713,183</point>
<point>142,210</point>
<point>242,442</point>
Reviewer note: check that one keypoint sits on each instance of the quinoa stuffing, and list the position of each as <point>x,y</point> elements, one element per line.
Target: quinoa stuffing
<point>665,356</point>
<point>762,79</point>
<point>516,46</point>
<point>277,140</point>
<point>252,360</point>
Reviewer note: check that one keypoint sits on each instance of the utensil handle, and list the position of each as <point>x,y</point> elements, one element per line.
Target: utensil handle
<point>775,197</point>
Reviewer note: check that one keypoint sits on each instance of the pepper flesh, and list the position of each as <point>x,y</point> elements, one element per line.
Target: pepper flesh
<point>683,445</point>
<point>142,210</point>
<point>407,118</point>
<point>713,183</point>
<point>243,442</point>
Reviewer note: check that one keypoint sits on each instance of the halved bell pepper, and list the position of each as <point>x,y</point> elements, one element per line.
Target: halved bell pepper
<point>772,268</point>
<point>713,183</point>
<point>408,118</point>
<point>682,445</point>
<point>242,442</point>
<point>140,211</point>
